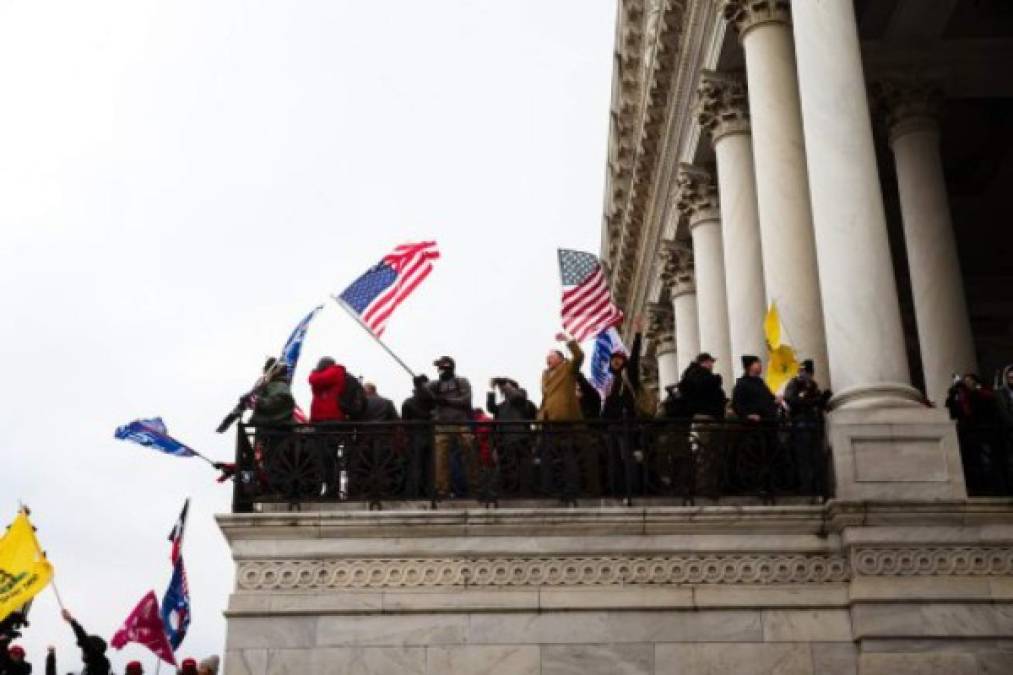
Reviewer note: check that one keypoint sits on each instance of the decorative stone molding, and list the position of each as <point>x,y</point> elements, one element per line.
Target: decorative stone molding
<point>745,15</point>
<point>336,575</point>
<point>722,105</point>
<point>942,561</point>
<point>648,44</point>
<point>908,105</point>
<point>697,195</point>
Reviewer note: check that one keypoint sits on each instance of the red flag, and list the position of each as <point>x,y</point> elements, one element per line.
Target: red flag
<point>144,626</point>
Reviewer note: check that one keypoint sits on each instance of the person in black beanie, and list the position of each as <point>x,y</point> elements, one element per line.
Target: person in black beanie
<point>752,399</point>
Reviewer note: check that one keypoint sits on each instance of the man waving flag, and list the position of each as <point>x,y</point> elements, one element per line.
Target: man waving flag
<point>587,302</point>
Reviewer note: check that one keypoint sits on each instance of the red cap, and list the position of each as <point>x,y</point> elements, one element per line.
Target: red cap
<point>16,650</point>
<point>189,662</point>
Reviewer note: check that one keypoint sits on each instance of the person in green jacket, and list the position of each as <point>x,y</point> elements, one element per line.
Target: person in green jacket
<point>274,403</point>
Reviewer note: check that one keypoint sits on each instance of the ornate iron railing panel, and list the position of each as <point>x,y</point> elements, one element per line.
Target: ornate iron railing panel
<point>490,462</point>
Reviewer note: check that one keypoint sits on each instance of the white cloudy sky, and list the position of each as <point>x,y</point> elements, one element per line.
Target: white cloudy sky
<point>181,181</point>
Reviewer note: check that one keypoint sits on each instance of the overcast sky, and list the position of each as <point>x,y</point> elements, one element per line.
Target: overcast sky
<point>180,182</point>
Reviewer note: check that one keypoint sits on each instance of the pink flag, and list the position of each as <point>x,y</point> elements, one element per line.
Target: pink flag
<point>144,626</point>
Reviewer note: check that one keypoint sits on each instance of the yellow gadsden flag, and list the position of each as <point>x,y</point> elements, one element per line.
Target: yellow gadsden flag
<point>24,570</point>
<point>782,365</point>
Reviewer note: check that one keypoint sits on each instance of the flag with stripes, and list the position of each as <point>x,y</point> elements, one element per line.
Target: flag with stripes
<point>375,295</point>
<point>587,303</point>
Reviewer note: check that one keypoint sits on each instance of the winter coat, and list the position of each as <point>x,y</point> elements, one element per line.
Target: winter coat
<point>621,399</point>
<point>327,385</point>
<point>701,392</point>
<point>514,407</point>
<point>752,396</point>
<point>559,388</point>
<point>804,398</point>
<point>452,399</point>
<point>93,650</point>
<point>590,399</point>
<point>274,405</point>
<point>418,407</point>
<point>380,409</point>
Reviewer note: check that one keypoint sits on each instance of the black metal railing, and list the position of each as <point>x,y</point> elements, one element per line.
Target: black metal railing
<point>489,462</point>
<point>985,452</point>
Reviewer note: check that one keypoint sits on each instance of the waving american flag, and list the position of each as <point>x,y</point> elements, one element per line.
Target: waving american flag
<point>375,295</point>
<point>587,303</point>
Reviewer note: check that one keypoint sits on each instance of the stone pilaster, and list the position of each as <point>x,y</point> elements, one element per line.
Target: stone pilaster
<point>698,203</point>
<point>790,272</point>
<point>723,110</point>
<point>937,285</point>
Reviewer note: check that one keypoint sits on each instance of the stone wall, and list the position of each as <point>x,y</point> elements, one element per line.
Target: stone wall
<point>839,588</point>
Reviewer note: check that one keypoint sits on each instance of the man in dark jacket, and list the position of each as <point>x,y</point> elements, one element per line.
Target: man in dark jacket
<point>806,402</point>
<point>620,409</point>
<point>452,413</point>
<point>418,409</point>
<point>378,408</point>
<point>701,398</point>
<point>93,648</point>
<point>751,398</point>
<point>515,404</point>
<point>701,389</point>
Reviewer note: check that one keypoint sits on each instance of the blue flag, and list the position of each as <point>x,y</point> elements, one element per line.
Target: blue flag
<point>290,352</point>
<point>606,344</point>
<point>151,433</point>
<point>176,606</point>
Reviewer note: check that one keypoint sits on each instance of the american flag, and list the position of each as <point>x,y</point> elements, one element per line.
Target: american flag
<point>376,294</point>
<point>587,303</point>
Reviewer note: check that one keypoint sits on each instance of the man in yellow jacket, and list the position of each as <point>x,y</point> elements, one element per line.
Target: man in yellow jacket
<point>559,383</point>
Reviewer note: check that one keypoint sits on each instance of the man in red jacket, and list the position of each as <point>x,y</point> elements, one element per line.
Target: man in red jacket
<point>328,384</point>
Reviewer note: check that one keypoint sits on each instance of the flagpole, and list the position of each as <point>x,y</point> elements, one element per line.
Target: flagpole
<point>373,335</point>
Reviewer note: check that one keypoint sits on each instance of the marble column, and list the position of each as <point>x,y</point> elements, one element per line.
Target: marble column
<point>698,203</point>
<point>782,189</point>
<point>865,338</point>
<point>944,328</point>
<point>724,112</point>
<point>668,363</point>
<point>687,327</point>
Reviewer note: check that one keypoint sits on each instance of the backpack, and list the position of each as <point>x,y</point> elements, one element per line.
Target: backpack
<point>353,399</point>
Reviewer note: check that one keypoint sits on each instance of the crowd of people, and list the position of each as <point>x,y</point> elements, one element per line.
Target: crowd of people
<point>14,660</point>
<point>459,428</point>
<point>984,417</point>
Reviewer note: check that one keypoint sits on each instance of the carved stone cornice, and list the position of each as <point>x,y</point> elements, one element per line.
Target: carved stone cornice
<point>908,105</point>
<point>745,15</point>
<point>697,192</point>
<point>640,103</point>
<point>722,104</point>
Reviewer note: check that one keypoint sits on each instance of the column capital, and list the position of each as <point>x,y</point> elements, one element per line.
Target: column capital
<point>908,105</point>
<point>696,195</point>
<point>660,322</point>
<point>745,15</point>
<point>685,282</point>
<point>722,104</point>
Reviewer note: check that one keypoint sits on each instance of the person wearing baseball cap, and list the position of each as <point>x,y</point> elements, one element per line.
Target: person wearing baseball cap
<point>452,413</point>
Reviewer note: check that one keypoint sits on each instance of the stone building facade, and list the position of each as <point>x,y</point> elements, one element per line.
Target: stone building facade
<point>759,150</point>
